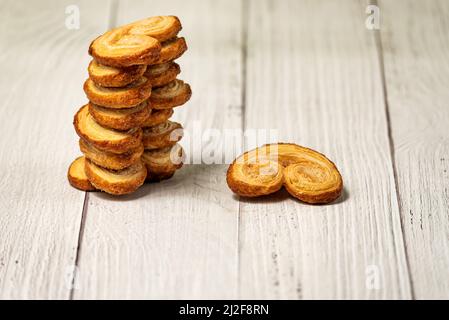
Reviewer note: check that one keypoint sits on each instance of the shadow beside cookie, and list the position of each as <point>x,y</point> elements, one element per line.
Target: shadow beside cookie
<point>283,195</point>
<point>278,196</point>
<point>139,193</point>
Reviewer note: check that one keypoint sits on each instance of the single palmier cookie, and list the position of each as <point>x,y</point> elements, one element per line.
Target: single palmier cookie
<point>161,74</point>
<point>118,98</point>
<point>306,174</point>
<point>116,182</point>
<point>174,94</point>
<point>103,138</point>
<point>163,135</point>
<point>106,76</point>
<point>120,119</point>
<point>161,28</point>
<point>119,47</point>
<point>172,49</point>
<point>162,163</point>
<point>77,177</point>
<point>110,160</point>
<point>157,117</point>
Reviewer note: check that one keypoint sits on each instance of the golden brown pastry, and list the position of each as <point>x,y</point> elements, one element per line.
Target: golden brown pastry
<point>172,49</point>
<point>135,43</point>
<point>77,177</point>
<point>162,163</point>
<point>120,48</point>
<point>305,173</point>
<point>118,98</point>
<point>174,94</point>
<point>110,160</point>
<point>255,179</point>
<point>106,76</point>
<point>116,182</point>
<point>163,135</point>
<point>161,74</point>
<point>103,138</point>
<point>120,119</point>
<point>161,28</point>
<point>157,117</point>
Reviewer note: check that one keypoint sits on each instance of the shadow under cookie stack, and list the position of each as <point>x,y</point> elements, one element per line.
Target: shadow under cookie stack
<point>125,132</point>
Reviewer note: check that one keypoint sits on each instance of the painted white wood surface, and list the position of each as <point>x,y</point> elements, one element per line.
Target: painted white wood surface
<point>313,73</point>
<point>179,238</point>
<point>41,88</point>
<point>416,55</point>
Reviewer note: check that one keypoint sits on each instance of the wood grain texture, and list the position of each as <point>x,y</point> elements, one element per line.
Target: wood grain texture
<point>178,238</point>
<point>416,55</point>
<point>313,74</point>
<point>41,87</point>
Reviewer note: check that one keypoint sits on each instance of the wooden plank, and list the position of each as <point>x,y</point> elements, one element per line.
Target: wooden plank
<point>43,69</point>
<point>313,74</point>
<point>178,238</point>
<point>416,51</point>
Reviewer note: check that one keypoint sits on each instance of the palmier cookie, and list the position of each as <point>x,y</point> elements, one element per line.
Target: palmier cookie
<point>163,135</point>
<point>162,163</point>
<point>171,50</point>
<point>157,117</point>
<point>120,119</point>
<point>116,182</point>
<point>161,74</point>
<point>306,174</point>
<point>121,48</point>
<point>174,94</point>
<point>161,28</point>
<point>110,160</point>
<point>118,98</point>
<point>135,43</point>
<point>77,177</point>
<point>106,76</point>
<point>103,138</point>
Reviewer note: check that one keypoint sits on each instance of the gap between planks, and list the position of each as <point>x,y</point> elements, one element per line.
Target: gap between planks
<point>380,56</point>
<point>79,244</point>
<point>244,53</point>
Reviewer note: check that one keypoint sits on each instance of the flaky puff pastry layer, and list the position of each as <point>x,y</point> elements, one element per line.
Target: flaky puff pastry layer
<point>106,76</point>
<point>120,119</point>
<point>163,163</point>
<point>157,117</point>
<point>121,48</point>
<point>306,174</point>
<point>77,177</point>
<point>110,160</point>
<point>116,182</point>
<point>118,98</point>
<point>161,28</point>
<point>161,74</point>
<point>105,139</point>
<point>255,179</point>
<point>135,43</point>
<point>174,94</point>
<point>172,49</point>
<point>163,135</point>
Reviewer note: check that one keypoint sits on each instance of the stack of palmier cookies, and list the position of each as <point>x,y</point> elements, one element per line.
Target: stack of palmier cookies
<point>125,132</point>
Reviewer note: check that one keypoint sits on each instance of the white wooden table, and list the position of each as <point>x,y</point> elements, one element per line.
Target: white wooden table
<point>375,102</point>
